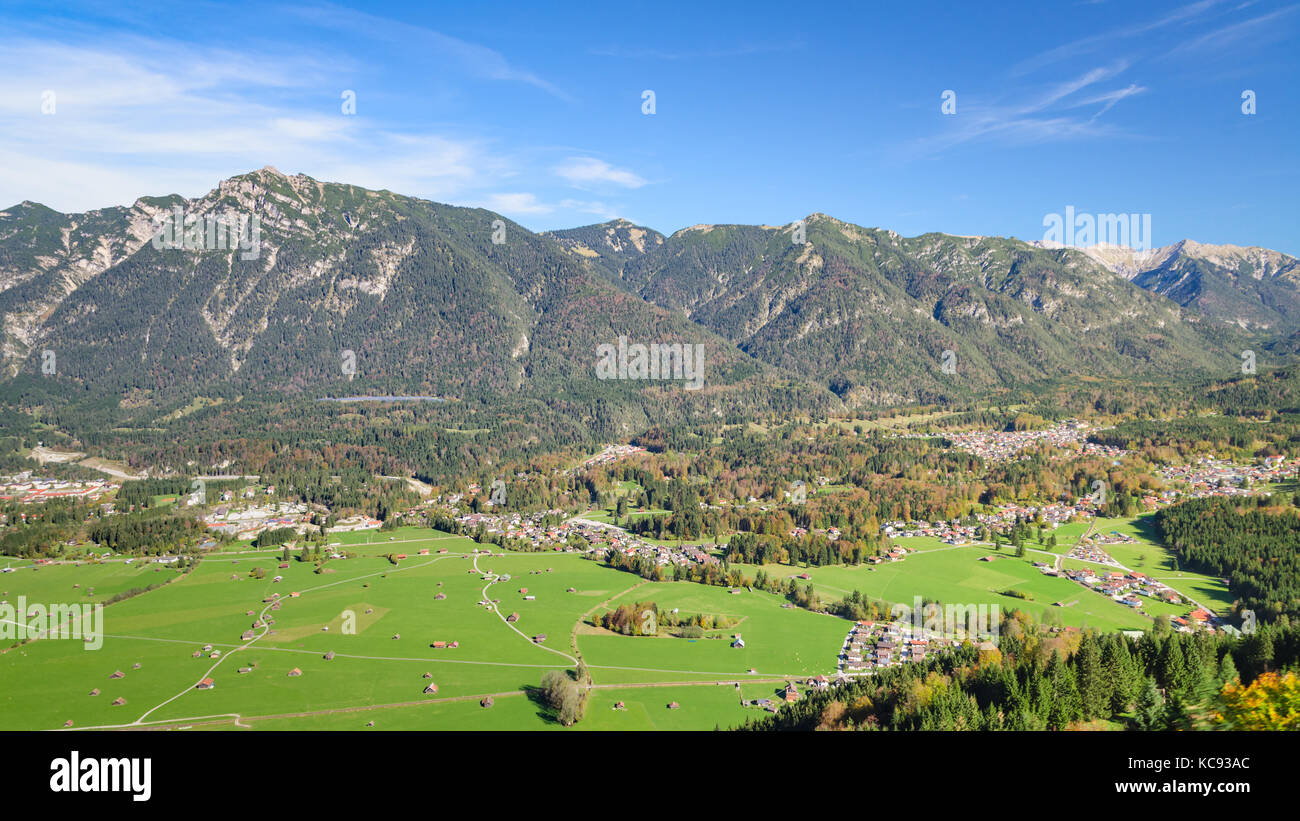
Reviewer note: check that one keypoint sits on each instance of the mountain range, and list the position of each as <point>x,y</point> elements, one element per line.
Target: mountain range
<point>438,299</point>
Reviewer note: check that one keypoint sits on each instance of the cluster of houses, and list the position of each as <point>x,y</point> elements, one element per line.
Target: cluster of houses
<point>1001,518</point>
<point>1004,446</point>
<point>612,453</point>
<point>1208,476</point>
<point>529,527</point>
<point>871,645</point>
<point>1129,588</point>
<point>1089,551</point>
<point>26,489</point>
<point>579,535</point>
<point>953,532</point>
<point>662,555</point>
<point>247,522</point>
<point>831,533</point>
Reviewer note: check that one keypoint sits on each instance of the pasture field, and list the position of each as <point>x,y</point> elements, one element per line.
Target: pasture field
<point>779,642</point>
<point>380,621</point>
<point>378,668</point>
<point>955,575</point>
<point>72,584</point>
<point>701,706</point>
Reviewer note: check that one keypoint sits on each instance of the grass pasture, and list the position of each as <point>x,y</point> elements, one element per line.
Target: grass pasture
<point>373,676</point>
<point>356,607</point>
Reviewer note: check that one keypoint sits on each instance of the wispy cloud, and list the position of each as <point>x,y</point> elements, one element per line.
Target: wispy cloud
<point>1043,116</point>
<point>1263,28</point>
<point>1097,42</point>
<point>476,59</point>
<point>587,171</point>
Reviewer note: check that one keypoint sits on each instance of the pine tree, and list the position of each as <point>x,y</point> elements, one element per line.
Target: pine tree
<point>1121,667</point>
<point>1064,705</point>
<point>1095,686</point>
<point>1150,713</point>
<point>1227,670</point>
<point>1172,670</point>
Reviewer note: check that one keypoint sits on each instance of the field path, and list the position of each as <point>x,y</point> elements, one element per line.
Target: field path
<point>493,578</point>
<point>266,628</point>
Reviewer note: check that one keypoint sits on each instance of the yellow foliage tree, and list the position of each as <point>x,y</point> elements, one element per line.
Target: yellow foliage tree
<point>1271,702</point>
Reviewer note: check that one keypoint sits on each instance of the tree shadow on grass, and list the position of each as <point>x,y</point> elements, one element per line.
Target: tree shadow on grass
<point>537,696</point>
<point>1145,526</point>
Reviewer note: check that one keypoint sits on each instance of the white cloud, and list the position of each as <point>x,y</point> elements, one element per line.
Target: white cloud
<point>516,203</point>
<point>583,171</point>
<point>135,117</point>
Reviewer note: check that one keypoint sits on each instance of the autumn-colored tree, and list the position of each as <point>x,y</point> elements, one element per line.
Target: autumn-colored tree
<point>1270,702</point>
<point>832,716</point>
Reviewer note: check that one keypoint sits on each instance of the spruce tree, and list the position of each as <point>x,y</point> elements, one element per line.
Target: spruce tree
<point>1150,713</point>
<point>1227,670</point>
<point>1095,686</point>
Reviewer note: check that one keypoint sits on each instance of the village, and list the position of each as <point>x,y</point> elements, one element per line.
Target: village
<point>1002,446</point>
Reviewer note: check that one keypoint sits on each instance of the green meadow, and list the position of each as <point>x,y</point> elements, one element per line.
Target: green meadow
<point>72,584</point>
<point>380,620</point>
<point>956,575</point>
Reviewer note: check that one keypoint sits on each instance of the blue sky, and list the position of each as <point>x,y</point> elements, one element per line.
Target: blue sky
<point>764,112</point>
